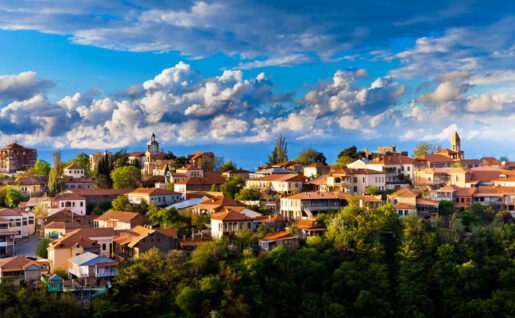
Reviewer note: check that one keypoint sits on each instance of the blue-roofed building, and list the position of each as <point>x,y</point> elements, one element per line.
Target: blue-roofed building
<point>187,203</point>
<point>92,269</point>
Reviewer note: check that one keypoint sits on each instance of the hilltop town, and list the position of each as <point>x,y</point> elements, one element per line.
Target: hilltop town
<point>73,225</point>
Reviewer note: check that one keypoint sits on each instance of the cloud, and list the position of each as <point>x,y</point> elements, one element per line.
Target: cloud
<point>21,86</point>
<point>249,29</point>
<point>285,61</point>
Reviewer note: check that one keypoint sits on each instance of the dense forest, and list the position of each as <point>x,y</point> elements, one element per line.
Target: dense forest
<point>368,264</point>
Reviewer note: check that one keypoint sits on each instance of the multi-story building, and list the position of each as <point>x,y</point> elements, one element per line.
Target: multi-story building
<point>21,222</point>
<point>15,157</point>
<point>281,183</point>
<point>355,181</point>
<point>309,204</point>
<point>160,197</point>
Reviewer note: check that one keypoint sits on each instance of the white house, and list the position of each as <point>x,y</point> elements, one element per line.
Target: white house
<point>398,169</point>
<point>229,222</point>
<point>22,223</point>
<point>160,197</point>
<point>308,204</point>
<point>191,171</point>
<point>315,170</point>
<point>66,200</point>
<point>74,171</point>
<point>355,181</point>
<point>282,183</point>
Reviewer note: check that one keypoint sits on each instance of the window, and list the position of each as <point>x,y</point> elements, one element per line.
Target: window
<point>103,247</point>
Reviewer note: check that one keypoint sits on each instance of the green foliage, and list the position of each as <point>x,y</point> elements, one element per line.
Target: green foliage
<point>82,160</point>
<point>347,156</point>
<point>13,197</point>
<point>41,248</point>
<point>41,168</point>
<point>232,186</point>
<point>126,177</point>
<point>121,203</point>
<point>280,151</point>
<point>61,272</point>
<point>247,194</point>
<point>373,190</point>
<point>424,148</point>
<point>55,174</point>
<point>368,264</point>
<point>101,207</point>
<point>309,156</point>
<point>180,162</point>
<point>227,166</point>
<point>169,218</point>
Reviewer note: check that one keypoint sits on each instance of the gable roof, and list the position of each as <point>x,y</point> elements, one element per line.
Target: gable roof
<point>217,202</point>
<point>208,179</point>
<point>435,158</point>
<point>16,263</point>
<point>318,196</point>
<point>132,237</point>
<point>75,167</point>
<point>153,191</point>
<point>393,160</point>
<point>84,237</point>
<point>90,259</point>
<point>118,215</point>
<point>290,177</point>
<point>283,235</point>
<point>10,212</point>
<point>229,215</point>
<point>309,224</point>
<point>404,192</point>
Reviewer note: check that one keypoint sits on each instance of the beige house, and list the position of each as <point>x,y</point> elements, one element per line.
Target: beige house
<point>315,170</point>
<point>281,183</point>
<point>74,171</point>
<point>191,171</point>
<point>355,181</point>
<point>95,240</point>
<point>309,204</point>
<point>229,222</point>
<point>160,197</point>
<point>119,220</point>
<point>19,270</point>
<point>70,201</point>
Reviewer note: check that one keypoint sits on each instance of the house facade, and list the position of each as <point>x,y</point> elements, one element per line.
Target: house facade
<point>15,158</point>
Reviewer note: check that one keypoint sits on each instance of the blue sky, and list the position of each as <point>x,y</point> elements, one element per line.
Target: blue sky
<point>229,76</point>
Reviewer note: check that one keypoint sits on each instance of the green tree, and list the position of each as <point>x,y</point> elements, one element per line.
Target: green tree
<point>248,194</point>
<point>82,160</point>
<point>280,151</point>
<point>309,156</point>
<point>227,166</point>
<point>232,186</point>
<point>121,203</point>
<point>41,248</point>
<point>424,148</point>
<point>41,168</point>
<point>13,197</point>
<point>55,174</point>
<point>373,190</point>
<point>126,177</point>
<point>180,162</point>
<point>104,169</point>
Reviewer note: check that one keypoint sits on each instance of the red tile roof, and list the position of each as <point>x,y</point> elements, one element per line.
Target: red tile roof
<point>153,191</point>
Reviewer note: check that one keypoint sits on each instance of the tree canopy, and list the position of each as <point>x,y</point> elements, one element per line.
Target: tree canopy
<point>309,156</point>
<point>424,148</point>
<point>280,151</point>
<point>126,177</point>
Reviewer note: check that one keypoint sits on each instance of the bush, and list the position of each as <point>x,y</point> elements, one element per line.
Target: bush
<point>41,248</point>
